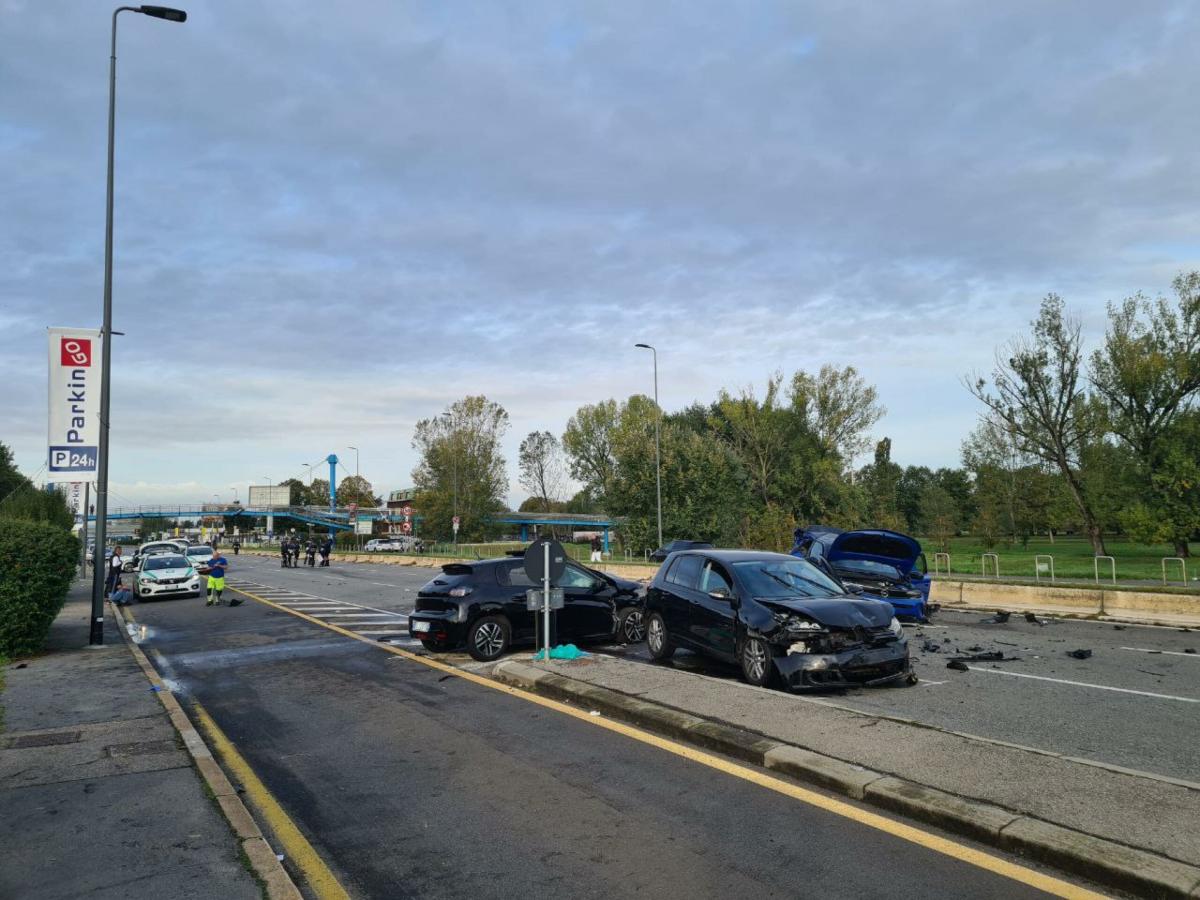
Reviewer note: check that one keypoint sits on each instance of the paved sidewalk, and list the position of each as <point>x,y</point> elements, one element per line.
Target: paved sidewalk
<point>1140,812</point>
<point>99,796</point>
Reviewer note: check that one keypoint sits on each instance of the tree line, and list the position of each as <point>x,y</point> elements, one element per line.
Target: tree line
<point>1096,443</point>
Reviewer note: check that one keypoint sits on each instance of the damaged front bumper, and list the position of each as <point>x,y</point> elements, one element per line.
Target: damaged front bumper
<point>858,667</point>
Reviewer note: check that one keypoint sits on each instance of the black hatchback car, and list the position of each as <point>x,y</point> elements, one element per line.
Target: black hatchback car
<point>778,617</point>
<point>482,604</point>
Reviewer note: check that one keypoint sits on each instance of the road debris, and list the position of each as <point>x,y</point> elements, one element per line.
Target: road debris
<point>1079,654</point>
<point>958,666</point>
<point>1118,628</point>
<point>1189,649</point>
<point>930,647</point>
<point>998,619</point>
<point>988,656</point>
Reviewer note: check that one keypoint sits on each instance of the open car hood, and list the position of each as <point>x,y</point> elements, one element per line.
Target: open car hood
<point>889,547</point>
<point>835,612</point>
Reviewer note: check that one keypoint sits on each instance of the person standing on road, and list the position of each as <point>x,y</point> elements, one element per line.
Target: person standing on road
<point>237,546</point>
<point>597,549</point>
<point>326,549</point>
<point>295,552</point>
<point>216,581</point>
<point>114,570</point>
<point>310,552</point>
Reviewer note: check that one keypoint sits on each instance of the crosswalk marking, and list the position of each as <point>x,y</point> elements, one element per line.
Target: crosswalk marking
<point>365,620</point>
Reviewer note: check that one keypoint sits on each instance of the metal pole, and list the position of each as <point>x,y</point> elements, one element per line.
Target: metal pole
<point>657,448</point>
<point>99,572</point>
<point>83,532</point>
<point>546,600</point>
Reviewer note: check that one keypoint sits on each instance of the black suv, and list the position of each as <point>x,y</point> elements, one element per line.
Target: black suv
<point>482,604</point>
<point>777,617</point>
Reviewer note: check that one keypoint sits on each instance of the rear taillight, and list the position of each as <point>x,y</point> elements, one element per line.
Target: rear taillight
<point>460,591</point>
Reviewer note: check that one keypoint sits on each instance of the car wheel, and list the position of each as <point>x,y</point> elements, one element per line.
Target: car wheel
<point>488,638</point>
<point>657,642</point>
<point>631,626</point>
<point>755,657</point>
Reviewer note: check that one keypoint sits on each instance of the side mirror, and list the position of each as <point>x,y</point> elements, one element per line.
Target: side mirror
<point>853,588</point>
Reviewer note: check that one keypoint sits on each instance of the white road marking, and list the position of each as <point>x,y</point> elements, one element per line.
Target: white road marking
<point>365,617</point>
<point>922,681</point>
<point>1099,687</point>
<point>1163,652</point>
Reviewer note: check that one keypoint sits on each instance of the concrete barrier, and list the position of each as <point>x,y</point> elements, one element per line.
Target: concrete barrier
<point>1079,601</point>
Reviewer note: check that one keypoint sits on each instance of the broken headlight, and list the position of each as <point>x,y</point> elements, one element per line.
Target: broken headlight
<point>896,628</point>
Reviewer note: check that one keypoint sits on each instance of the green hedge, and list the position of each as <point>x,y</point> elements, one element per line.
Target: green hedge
<point>37,566</point>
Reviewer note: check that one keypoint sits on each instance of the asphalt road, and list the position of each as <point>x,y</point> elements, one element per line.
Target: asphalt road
<point>411,782</point>
<point>1134,703</point>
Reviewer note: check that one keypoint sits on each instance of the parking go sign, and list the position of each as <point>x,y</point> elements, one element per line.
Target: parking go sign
<point>74,404</point>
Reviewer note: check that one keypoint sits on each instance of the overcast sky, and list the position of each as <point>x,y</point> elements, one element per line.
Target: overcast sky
<point>334,219</point>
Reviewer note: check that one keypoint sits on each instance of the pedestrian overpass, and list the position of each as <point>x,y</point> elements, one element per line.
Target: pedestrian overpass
<point>337,519</point>
<point>562,520</point>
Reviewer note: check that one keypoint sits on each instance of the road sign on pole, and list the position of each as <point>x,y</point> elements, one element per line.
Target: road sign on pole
<point>545,561</point>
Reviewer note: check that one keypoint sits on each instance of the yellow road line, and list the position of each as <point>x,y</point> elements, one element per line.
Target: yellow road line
<point>322,881</point>
<point>1054,886</point>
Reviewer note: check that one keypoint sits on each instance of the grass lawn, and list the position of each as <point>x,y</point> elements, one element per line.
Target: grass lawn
<point>1072,559</point>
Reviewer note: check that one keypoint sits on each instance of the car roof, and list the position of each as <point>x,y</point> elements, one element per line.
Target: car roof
<point>734,556</point>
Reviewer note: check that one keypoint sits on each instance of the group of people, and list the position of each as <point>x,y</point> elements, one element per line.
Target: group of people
<point>289,551</point>
<point>120,595</point>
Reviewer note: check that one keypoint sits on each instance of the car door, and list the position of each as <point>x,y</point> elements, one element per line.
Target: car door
<point>514,583</point>
<point>677,591</point>
<point>712,612</point>
<point>587,611</point>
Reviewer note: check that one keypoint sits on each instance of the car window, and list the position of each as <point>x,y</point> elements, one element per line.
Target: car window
<point>921,565</point>
<point>685,571</point>
<point>714,579</point>
<point>165,562</point>
<point>575,577</point>
<point>200,551</point>
<point>513,573</point>
<point>785,578</point>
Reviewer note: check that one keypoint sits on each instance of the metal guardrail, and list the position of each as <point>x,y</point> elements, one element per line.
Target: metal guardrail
<point>1182,566</point>
<point>937,558</point>
<point>1037,567</point>
<point>995,558</point>
<point>1096,567</point>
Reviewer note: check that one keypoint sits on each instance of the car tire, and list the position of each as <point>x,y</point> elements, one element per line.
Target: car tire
<point>658,642</point>
<point>631,626</point>
<point>755,658</point>
<point>489,638</point>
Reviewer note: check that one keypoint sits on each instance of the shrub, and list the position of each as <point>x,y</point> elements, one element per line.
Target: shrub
<point>37,566</point>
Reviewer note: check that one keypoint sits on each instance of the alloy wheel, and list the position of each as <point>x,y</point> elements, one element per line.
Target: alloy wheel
<point>489,639</point>
<point>635,627</point>
<point>656,634</point>
<point>754,656</point>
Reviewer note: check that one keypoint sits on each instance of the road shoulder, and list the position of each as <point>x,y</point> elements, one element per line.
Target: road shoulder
<point>1050,808</point>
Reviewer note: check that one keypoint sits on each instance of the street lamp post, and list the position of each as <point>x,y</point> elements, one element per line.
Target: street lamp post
<point>99,574</point>
<point>270,507</point>
<point>454,458</point>
<point>657,441</point>
<point>355,449</point>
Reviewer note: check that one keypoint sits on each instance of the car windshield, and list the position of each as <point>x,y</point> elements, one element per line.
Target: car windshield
<point>166,562</point>
<point>785,578</point>
<point>200,551</point>
<point>866,567</point>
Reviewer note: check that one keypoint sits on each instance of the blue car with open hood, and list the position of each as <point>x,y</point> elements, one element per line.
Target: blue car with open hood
<point>887,565</point>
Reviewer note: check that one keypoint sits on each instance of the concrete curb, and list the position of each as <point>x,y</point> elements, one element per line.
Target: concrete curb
<point>1104,861</point>
<point>263,861</point>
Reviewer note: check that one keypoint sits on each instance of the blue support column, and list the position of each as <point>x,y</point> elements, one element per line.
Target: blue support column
<point>524,534</point>
<point>333,461</point>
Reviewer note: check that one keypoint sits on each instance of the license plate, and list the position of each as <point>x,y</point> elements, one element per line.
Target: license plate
<point>420,626</point>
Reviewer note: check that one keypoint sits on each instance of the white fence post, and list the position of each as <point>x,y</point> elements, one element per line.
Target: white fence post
<point>1037,567</point>
<point>1096,566</point>
<point>1182,565</point>
<point>983,564</point>
<point>937,557</point>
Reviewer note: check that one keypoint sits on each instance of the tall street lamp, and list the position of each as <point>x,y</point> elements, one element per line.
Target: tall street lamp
<point>96,632</point>
<point>454,457</point>
<point>657,441</point>
<point>355,449</point>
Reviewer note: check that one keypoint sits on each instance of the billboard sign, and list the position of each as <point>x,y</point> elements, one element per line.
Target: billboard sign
<point>74,404</point>
<point>263,495</point>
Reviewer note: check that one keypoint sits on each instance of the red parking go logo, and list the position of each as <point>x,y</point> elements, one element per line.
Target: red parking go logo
<point>76,351</point>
